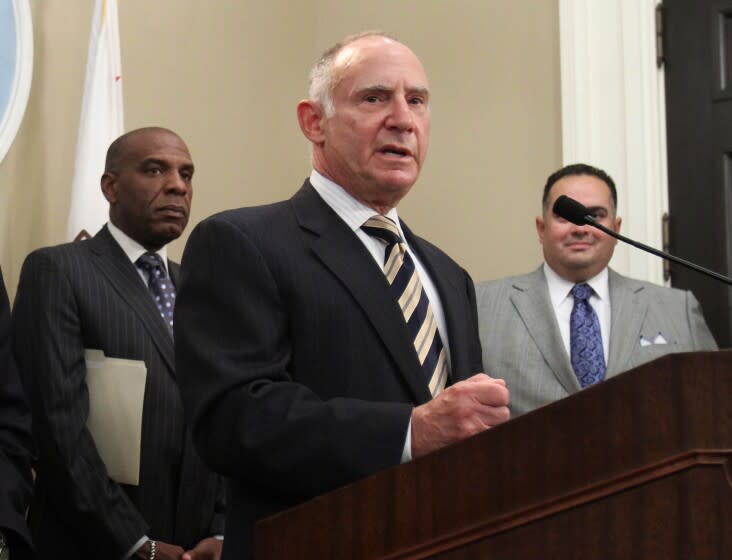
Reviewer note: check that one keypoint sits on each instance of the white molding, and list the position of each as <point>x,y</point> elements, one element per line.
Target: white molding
<point>613,114</point>
<point>22,78</point>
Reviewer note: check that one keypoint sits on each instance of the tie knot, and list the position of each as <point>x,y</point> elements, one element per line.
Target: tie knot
<point>382,228</point>
<point>152,264</point>
<point>582,292</point>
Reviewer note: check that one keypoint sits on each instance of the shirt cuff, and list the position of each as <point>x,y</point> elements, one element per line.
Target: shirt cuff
<point>135,546</point>
<point>407,450</point>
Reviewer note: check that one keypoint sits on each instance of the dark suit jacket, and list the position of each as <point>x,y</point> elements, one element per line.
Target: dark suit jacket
<point>15,443</point>
<point>294,358</point>
<point>89,295</point>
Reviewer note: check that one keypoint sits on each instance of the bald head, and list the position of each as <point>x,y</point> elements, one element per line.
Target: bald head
<point>120,147</point>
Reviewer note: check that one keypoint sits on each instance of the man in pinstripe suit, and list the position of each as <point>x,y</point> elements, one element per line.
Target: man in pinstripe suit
<point>15,444</point>
<point>91,294</point>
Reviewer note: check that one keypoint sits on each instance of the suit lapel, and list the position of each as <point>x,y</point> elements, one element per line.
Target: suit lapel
<point>530,298</point>
<point>628,311</point>
<point>111,261</point>
<point>341,252</point>
<point>173,272</point>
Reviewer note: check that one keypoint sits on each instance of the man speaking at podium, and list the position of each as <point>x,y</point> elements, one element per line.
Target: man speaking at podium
<point>318,339</point>
<point>574,322</point>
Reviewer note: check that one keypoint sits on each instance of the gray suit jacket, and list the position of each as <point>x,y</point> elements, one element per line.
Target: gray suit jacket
<point>89,295</point>
<point>522,343</point>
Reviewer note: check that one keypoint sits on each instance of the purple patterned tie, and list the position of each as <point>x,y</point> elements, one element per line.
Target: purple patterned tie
<point>585,339</point>
<point>160,286</point>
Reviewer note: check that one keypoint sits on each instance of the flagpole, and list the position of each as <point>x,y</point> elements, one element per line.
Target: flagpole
<point>101,121</point>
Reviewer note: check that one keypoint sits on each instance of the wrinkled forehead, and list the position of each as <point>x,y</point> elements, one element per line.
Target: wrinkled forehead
<point>371,60</point>
<point>155,145</point>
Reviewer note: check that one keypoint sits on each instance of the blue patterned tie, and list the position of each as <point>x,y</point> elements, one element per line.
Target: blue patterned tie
<point>411,297</point>
<point>585,339</point>
<point>160,286</point>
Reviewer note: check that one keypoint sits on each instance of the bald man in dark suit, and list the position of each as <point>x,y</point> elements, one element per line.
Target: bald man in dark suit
<point>101,294</point>
<point>302,326</point>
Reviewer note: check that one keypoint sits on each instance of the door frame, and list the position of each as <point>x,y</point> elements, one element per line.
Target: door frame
<point>614,115</point>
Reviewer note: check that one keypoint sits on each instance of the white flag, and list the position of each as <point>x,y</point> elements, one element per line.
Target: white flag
<point>101,122</point>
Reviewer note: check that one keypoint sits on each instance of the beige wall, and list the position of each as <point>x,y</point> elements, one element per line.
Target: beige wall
<point>226,75</point>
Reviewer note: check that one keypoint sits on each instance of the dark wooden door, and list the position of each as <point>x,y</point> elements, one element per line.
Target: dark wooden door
<point>698,54</point>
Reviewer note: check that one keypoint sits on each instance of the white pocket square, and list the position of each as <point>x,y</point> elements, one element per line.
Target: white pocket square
<point>659,339</point>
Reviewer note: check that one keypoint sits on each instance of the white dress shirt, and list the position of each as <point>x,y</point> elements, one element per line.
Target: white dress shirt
<point>355,214</point>
<point>563,302</point>
<point>134,250</point>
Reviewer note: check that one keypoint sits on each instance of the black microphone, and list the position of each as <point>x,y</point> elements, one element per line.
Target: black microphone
<point>577,213</point>
<point>572,211</point>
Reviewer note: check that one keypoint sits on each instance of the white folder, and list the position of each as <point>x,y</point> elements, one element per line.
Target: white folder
<point>116,394</point>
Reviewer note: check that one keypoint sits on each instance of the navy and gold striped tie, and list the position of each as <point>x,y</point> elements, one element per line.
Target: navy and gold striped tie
<point>407,289</point>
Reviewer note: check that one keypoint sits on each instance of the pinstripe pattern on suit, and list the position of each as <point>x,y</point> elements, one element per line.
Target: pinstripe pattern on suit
<point>15,443</point>
<point>294,357</point>
<point>521,341</point>
<point>89,295</point>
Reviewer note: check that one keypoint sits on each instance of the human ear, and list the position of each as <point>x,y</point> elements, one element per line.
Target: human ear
<point>109,186</point>
<point>310,117</point>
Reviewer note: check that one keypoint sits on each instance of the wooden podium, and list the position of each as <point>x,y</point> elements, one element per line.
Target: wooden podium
<point>639,466</point>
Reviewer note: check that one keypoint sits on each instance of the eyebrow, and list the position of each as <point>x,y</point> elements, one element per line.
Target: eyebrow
<point>420,90</point>
<point>155,161</point>
<point>163,163</point>
<point>386,89</point>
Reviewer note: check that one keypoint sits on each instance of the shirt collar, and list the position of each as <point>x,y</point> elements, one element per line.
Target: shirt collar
<point>132,248</point>
<point>350,210</point>
<point>559,287</point>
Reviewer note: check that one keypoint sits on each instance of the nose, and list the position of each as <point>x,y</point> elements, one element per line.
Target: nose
<point>177,183</point>
<point>400,117</point>
<point>579,231</point>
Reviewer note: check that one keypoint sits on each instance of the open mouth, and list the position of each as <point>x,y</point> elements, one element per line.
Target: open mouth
<point>396,151</point>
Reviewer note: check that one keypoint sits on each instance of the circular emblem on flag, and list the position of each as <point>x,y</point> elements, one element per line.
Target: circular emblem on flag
<point>16,67</point>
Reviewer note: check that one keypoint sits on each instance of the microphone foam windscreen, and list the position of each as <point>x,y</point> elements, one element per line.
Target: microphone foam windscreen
<point>571,210</point>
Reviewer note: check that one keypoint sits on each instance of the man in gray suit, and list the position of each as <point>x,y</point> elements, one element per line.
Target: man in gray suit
<point>101,294</point>
<point>573,321</point>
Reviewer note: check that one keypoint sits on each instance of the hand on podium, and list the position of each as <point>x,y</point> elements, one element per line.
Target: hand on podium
<point>460,411</point>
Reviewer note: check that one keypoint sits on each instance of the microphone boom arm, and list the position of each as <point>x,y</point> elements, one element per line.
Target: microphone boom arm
<point>591,221</point>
